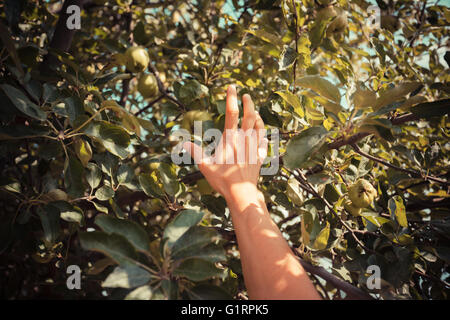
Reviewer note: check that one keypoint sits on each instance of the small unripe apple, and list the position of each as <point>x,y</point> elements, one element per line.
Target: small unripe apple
<point>148,86</point>
<point>194,115</point>
<point>137,59</point>
<point>353,210</point>
<point>362,193</point>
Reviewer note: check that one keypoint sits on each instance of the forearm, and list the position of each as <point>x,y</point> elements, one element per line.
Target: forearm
<point>271,270</point>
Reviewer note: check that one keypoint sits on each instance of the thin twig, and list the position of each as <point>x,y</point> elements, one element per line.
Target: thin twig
<point>390,165</point>
<point>304,182</point>
<point>296,42</point>
<point>162,89</point>
<point>150,104</point>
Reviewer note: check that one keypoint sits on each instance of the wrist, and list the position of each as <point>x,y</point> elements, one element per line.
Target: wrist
<point>240,196</point>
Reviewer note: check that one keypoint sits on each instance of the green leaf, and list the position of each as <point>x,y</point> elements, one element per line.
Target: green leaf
<point>321,86</point>
<point>392,95</point>
<point>182,222</point>
<point>83,151</point>
<point>287,58</point>
<point>377,221</point>
<point>135,234</point>
<point>68,212</point>
<point>73,108</point>
<point>321,240</point>
<point>306,226</point>
<point>169,178</point>
<point>127,277</point>
<point>114,138</point>
<point>170,288</point>
<point>110,78</point>
<point>99,207</point>
<point>193,241</point>
<point>292,100</point>
<point>208,292</point>
<point>432,109</point>
<point>119,213</point>
<point>50,93</point>
<point>74,178</point>
<point>125,174</point>
<point>443,253</point>
<point>192,90</point>
<point>197,270</point>
<point>317,32</point>
<point>94,175</point>
<point>301,147</point>
<point>5,35</point>
<point>216,205</point>
<point>21,131</point>
<point>21,102</point>
<point>104,193</point>
<point>211,252</point>
<point>113,245</point>
<point>268,37</point>
<point>50,222</point>
<point>141,293</point>
<point>397,210</point>
<point>150,186</point>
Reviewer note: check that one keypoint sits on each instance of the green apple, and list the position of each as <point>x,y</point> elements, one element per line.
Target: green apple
<point>354,211</point>
<point>362,193</point>
<point>148,86</point>
<point>194,115</point>
<point>137,59</point>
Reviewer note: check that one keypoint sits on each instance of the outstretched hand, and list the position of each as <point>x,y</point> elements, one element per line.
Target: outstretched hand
<point>239,154</point>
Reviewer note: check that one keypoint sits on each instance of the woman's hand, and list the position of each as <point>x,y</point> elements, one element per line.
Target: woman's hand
<point>237,161</point>
<point>270,268</point>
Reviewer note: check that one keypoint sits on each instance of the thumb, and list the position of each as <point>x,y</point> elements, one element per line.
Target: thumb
<point>195,151</point>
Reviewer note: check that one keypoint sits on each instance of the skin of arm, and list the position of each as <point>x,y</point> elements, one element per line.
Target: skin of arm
<point>270,268</point>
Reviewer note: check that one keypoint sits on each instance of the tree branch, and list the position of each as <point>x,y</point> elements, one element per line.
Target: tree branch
<point>150,104</point>
<point>162,89</point>
<point>62,37</point>
<point>308,188</point>
<point>360,135</point>
<point>353,293</point>
<point>409,171</point>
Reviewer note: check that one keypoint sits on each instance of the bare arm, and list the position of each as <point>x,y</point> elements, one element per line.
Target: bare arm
<point>271,270</point>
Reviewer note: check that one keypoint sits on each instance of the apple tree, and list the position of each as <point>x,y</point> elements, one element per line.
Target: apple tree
<point>92,92</point>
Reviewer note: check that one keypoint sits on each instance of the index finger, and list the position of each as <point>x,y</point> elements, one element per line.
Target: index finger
<point>232,109</point>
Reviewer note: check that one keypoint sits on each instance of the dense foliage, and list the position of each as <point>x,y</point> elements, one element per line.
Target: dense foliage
<point>82,150</point>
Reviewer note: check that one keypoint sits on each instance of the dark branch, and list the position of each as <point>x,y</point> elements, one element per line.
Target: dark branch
<point>62,37</point>
<point>390,165</point>
<point>360,135</point>
<point>162,89</point>
<point>352,292</point>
